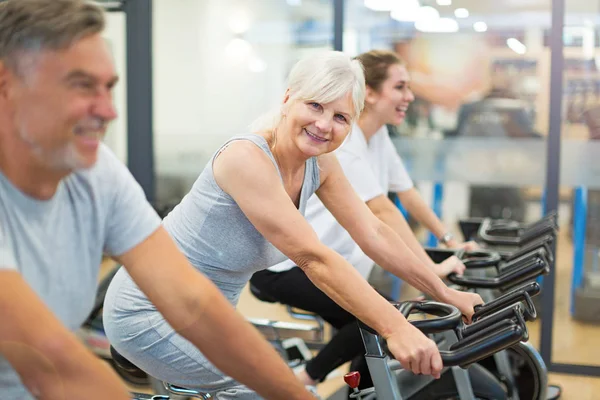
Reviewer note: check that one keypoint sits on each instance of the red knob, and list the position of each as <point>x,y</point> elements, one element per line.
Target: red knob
<point>352,379</point>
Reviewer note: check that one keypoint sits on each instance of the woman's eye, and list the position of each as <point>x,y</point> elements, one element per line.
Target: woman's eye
<point>341,118</point>
<point>316,106</point>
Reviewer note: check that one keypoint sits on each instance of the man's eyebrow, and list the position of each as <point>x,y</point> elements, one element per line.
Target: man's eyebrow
<point>79,74</point>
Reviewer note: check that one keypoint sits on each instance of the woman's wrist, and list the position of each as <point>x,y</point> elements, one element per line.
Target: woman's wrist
<point>447,239</point>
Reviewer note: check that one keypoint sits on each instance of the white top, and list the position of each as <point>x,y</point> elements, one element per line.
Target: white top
<point>373,169</point>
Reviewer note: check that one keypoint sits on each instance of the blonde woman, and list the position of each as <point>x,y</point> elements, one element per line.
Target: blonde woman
<point>245,213</point>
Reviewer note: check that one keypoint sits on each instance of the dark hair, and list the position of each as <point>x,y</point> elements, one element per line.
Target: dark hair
<point>376,64</point>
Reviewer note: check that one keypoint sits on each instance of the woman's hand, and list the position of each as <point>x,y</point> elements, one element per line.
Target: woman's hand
<point>449,265</point>
<point>466,246</point>
<point>464,301</point>
<point>415,351</point>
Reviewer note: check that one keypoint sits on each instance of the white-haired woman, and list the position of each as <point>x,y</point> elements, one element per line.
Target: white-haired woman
<point>245,213</point>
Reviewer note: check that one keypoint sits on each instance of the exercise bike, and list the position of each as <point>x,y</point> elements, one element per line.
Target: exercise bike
<point>521,368</point>
<point>497,326</point>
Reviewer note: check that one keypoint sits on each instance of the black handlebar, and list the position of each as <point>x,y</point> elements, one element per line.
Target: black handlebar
<point>515,312</point>
<point>483,339</point>
<point>485,258</point>
<point>480,258</point>
<point>467,352</point>
<point>542,243</point>
<point>471,259</point>
<point>531,268</point>
<point>523,293</point>
<point>448,317</point>
<point>511,233</point>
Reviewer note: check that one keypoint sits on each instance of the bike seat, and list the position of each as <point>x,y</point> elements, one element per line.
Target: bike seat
<point>124,364</point>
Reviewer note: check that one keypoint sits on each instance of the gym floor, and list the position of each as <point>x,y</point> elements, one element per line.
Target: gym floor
<point>574,342</point>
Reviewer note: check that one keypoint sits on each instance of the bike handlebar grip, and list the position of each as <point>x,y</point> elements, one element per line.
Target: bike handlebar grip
<point>448,317</point>
<point>473,282</point>
<point>352,379</point>
<point>513,311</point>
<point>506,279</point>
<point>517,295</point>
<point>480,259</point>
<point>472,352</point>
<point>525,259</point>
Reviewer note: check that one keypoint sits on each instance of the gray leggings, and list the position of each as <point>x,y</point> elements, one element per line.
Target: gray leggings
<point>146,339</point>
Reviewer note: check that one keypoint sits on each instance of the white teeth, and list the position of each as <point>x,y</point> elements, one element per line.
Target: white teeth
<point>92,127</point>
<point>315,136</point>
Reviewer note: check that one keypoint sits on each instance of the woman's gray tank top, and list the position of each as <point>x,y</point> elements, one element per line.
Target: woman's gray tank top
<point>215,235</point>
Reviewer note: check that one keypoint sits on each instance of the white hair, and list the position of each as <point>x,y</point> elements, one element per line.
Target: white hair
<point>321,77</point>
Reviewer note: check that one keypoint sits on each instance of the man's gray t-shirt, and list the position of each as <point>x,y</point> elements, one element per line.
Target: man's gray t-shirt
<point>57,245</point>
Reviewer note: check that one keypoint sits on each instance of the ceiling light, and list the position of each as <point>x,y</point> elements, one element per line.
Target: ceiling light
<point>407,11</point>
<point>440,25</point>
<point>480,26</point>
<point>516,46</point>
<point>380,5</point>
<point>461,13</point>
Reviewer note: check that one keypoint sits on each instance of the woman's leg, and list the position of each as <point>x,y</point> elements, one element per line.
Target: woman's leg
<point>147,340</point>
<point>294,288</point>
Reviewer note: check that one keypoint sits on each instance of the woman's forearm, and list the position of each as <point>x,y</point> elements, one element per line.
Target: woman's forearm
<point>333,275</point>
<point>388,250</point>
<point>392,217</point>
<point>416,206</point>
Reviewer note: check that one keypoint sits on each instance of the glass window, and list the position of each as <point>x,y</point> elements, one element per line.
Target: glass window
<point>218,65</point>
<point>577,311</point>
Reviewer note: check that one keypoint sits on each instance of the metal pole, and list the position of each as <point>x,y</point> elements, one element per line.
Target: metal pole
<point>338,25</point>
<point>553,165</point>
<point>140,148</point>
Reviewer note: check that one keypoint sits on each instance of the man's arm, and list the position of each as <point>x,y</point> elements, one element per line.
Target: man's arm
<point>50,360</point>
<point>198,311</point>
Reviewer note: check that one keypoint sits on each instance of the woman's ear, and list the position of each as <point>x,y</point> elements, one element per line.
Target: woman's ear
<point>286,103</point>
<point>371,96</point>
<point>286,97</point>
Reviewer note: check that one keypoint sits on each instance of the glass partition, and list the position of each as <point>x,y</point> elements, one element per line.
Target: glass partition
<point>218,65</point>
<point>577,305</point>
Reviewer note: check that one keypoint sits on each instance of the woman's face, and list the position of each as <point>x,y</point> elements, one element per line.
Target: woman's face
<point>390,103</point>
<point>318,128</point>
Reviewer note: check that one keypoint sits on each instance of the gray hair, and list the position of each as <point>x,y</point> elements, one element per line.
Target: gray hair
<point>30,26</point>
<point>321,77</point>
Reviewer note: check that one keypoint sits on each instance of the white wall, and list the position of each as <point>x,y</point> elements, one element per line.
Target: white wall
<point>202,96</point>
<point>116,136</point>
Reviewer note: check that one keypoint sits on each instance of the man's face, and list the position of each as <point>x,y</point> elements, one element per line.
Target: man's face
<point>60,103</point>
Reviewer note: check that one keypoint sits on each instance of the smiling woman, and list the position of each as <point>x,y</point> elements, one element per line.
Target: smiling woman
<point>245,214</point>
